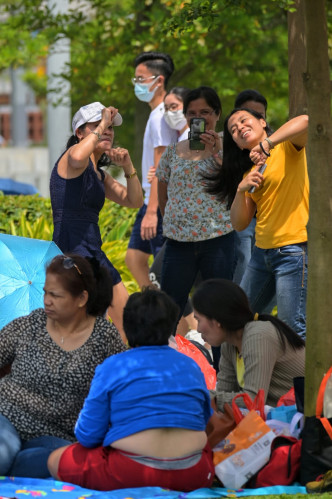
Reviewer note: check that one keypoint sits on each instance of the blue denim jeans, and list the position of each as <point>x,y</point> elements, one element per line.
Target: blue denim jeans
<point>25,458</point>
<point>183,260</point>
<point>245,242</point>
<point>282,271</point>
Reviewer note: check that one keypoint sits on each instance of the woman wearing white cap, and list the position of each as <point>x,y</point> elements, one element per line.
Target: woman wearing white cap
<point>78,189</point>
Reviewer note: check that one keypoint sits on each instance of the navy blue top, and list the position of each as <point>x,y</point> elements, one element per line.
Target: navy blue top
<point>76,204</point>
<point>143,388</point>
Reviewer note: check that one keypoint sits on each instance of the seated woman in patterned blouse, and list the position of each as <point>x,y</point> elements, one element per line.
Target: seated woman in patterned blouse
<point>53,354</point>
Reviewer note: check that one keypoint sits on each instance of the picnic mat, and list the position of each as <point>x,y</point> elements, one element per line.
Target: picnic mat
<point>15,487</point>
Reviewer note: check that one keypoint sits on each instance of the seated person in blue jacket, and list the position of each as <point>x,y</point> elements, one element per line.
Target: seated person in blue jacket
<point>143,422</point>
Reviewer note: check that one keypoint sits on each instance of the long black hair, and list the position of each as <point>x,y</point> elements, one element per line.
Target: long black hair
<point>223,182</point>
<point>227,303</point>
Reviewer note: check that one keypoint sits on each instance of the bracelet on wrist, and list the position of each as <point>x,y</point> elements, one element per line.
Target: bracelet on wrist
<point>263,150</point>
<point>269,141</point>
<point>130,175</point>
<point>97,135</point>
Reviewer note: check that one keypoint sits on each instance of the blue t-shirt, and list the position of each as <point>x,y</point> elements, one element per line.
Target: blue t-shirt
<point>140,389</point>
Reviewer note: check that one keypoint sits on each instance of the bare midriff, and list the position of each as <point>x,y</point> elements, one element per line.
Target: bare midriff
<point>163,442</point>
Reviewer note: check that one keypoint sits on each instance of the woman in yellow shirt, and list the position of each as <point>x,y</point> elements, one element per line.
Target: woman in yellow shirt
<point>280,196</point>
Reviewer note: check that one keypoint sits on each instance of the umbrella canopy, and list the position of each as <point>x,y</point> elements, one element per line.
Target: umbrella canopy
<point>9,186</point>
<point>22,274</point>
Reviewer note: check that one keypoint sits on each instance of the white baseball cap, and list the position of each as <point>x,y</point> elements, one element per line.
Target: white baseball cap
<point>91,113</point>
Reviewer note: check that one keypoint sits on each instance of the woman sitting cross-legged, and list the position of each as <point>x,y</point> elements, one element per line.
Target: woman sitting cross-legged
<point>53,354</point>
<point>257,350</point>
<point>143,422</point>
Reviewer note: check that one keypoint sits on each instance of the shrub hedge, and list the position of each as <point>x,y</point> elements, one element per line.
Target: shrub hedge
<point>31,216</point>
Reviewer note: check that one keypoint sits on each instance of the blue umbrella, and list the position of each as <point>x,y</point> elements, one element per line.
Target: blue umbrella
<point>22,274</point>
<point>10,186</point>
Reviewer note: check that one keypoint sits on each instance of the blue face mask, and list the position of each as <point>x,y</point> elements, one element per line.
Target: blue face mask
<point>142,91</point>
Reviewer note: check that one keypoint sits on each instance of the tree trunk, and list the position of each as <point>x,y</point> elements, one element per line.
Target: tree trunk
<point>319,153</point>
<point>297,60</point>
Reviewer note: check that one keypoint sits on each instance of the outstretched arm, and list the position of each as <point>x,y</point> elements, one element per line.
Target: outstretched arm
<point>295,130</point>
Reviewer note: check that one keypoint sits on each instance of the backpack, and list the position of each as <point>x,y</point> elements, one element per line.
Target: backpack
<point>283,467</point>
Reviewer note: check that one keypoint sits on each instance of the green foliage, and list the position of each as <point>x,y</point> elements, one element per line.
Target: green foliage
<point>115,222</point>
<point>227,44</point>
<point>22,215</point>
<point>31,216</point>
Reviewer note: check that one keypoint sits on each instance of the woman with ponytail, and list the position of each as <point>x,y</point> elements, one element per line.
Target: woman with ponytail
<point>258,351</point>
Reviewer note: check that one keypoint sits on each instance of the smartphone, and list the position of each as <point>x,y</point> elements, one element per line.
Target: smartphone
<point>261,170</point>
<point>197,126</point>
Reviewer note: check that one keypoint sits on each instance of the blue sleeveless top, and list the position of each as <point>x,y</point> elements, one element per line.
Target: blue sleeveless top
<point>76,204</point>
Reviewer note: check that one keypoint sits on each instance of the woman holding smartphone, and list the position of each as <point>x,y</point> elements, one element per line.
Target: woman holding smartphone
<point>197,226</point>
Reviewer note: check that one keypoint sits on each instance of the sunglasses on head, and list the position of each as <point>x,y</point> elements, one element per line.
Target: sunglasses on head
<point>68,263</point>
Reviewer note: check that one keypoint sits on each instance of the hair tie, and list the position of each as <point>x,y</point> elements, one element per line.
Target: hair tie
<point>263,150</point>
<point>256,316</point>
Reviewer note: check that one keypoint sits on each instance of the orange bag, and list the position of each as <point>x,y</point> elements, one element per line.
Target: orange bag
<point>256,405</point>
<point>319,404</point>
<point>185,346</point>
<point>243,452</point>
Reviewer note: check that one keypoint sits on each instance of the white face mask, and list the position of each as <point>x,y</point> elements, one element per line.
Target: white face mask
<point>175,119</point>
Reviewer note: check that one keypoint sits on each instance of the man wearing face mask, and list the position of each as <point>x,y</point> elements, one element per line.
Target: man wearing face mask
<point>153,69</point>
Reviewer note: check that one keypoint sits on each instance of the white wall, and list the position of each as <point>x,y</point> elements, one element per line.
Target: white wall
<point>28,165</point>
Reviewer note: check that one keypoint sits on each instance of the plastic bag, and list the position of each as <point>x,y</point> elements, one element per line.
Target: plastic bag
<point>282,413</point>
<point>185,346</point>
<point>287,399</point>
<point>257,405</point>
<point>292,429</point>
<point>243,452</point>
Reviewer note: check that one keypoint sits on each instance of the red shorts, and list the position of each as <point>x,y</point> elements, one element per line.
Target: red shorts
<point>105,468</point>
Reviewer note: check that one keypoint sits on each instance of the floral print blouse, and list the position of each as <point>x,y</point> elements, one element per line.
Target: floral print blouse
<point>191,214</point>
